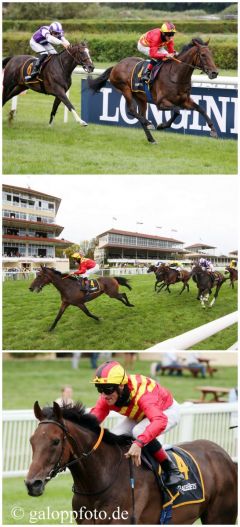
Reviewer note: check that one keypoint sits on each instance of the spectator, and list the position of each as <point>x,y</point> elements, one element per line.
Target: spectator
<point>66,396</point>
<point>192,361</point>
<point>169,359</point>
<point>93,360</point>
<point>75,359</point>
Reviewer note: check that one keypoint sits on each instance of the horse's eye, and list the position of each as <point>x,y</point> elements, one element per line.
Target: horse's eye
<point>56,441</point>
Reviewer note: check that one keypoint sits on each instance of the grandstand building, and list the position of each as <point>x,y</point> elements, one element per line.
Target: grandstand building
<point>30,234</point>
<point>115,246</point>
<point>202,250</point>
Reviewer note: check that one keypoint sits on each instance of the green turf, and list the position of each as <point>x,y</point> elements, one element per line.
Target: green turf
<point>71,149</point>
<point>44,378</point>
<point>156,317</point>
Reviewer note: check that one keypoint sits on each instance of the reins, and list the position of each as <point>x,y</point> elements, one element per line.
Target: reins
<point>191,65</point>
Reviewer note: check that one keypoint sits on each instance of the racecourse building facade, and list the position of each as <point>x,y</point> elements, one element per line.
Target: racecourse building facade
<point>125,246</point>
<point>30,234</point>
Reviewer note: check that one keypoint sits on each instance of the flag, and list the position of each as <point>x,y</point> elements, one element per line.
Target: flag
<point>139,222</point>
<point>114,218</point>
<point>173,230</point>
<point>158,227</point>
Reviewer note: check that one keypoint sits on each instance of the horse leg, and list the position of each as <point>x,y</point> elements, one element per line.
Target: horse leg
<point>170,121</point>
<point>183,287</point>
<point>55,106</point>
<point>161,287</point>
<point>87,312</point>
<point>216,294</point>
<point>123,298</point>
<point>7,95</point>
<point>191,105</point>
<point>63,307</point>
<point>61,95</point>
<point>142,104</point>
<point>132,111</point>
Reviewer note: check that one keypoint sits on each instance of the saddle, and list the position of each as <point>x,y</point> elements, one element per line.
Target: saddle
<point>93,285</point>
<point>191,490</point>
<point>28,66</point>
<point>137,85</point>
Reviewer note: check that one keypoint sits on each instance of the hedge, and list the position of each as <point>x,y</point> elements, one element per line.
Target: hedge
<point>125,26</point>
<point>113,48</point>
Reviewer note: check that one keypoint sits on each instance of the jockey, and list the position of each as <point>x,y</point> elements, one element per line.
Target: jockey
<point>154,44</point>
<point>86,267</point>
<point>206,265</point>
<point>41,42</point>
<point>233,264</point>
<point>149,411</point>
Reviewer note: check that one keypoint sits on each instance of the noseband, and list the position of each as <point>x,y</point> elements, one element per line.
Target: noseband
<point>67,436</point>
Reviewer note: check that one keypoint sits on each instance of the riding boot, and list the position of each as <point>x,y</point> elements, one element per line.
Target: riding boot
<point>86,286</point>
<point>172,475</point>
<point>147,71</point>
<point>36,67</point>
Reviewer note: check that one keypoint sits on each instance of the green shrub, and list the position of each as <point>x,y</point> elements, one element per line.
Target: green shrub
<point>114,47</point>
<point>126,26</point>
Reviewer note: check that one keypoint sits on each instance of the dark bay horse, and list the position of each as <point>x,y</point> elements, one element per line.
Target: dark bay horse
<point>205,282</point>
<point>70,438</point>
<point>171,89</point>
<point>54,78</point>
<point>71,294</point>
<point>168,276</point>
<point>233,275</point>
<point>157,271</point>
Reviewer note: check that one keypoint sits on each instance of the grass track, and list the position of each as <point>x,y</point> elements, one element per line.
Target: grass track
<point>70,149</point>
<point>27,317</point>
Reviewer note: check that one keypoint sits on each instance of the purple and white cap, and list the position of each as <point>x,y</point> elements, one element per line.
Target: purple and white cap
<point>56,27</point>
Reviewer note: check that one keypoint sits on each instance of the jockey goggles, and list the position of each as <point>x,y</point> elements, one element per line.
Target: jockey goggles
<point>107,389</point>
<point>168,34</point>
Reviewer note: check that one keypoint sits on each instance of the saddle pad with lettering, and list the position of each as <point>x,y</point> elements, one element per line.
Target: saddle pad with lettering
<point>93,285</point>
<point>136,78</point>
<point>191,490</point>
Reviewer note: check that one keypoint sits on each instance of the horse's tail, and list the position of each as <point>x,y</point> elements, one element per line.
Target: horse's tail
<point>122,281</point>
<point>99,82</point>
<point>5,61</point>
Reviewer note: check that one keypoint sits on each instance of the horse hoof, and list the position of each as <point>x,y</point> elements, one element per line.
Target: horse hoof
<point>214,134</point>
<point>161,126</point>
<point>153,142</point>
<point>82,123</point>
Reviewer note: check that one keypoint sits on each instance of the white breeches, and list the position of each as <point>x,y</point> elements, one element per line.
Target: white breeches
<point>146,51</point>
<point>40,48</point>
<point>91,271</point>
<point>130,427</point>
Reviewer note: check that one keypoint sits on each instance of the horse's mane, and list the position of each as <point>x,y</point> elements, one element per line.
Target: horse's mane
<point>59,273</point>
<point>83,43</point>
<point>77,415</point>
<point>191,44</point>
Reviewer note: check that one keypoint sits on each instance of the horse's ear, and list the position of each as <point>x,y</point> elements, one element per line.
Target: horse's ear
<point>57,411</point>
<point>207,42</point>
<point>196,43</point>
<point>37,411</point>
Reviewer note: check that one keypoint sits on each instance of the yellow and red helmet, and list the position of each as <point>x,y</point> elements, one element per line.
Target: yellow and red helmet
<point>77,255</point>
<point>110,372</point>
<point>168,27</point>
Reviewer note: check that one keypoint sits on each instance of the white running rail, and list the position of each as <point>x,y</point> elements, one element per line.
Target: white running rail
<point>200,421</point>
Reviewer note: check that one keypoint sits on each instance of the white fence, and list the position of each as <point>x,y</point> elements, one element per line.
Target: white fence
<point>202,421</point>
<point>194,336</point>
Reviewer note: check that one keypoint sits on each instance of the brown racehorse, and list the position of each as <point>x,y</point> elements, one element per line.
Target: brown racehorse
<point>170,276</point>
<point>171,89</point>
<point>69,438</point>
<point>233,275</point>
<point>206,282</point>
<point>55,76</point>
<point>71,294</point>
<point>158,274</point>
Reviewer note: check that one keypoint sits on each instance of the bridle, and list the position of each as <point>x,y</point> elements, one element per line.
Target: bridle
<point>71,55</point>
<point>194,66</point>
<point>67,436</point>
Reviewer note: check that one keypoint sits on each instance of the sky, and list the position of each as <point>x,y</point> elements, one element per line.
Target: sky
<point>191,209</point>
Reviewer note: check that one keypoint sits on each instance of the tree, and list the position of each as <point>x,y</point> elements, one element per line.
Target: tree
<point>72,249</point>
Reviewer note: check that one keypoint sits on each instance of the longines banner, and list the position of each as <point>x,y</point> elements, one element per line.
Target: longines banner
<point>109,107</point>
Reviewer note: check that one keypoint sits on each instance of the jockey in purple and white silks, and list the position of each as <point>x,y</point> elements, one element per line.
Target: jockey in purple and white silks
<point>41,42</point>
<point>206,265</point>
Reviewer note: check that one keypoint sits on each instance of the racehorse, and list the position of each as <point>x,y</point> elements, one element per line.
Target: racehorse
<point>205,282</point>
<point>53,79</point>
<point>157,271</point>
<point>70,438</point>
<point>233,275</point>
<point>71,294</point>
<point>171,88</point>
<point>170,276</point>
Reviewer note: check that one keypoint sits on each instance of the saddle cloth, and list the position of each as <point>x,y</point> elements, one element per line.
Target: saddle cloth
<point>191,489</point>
<point>28,66</point>
<point>93,285</point>
<point>136,78</point>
